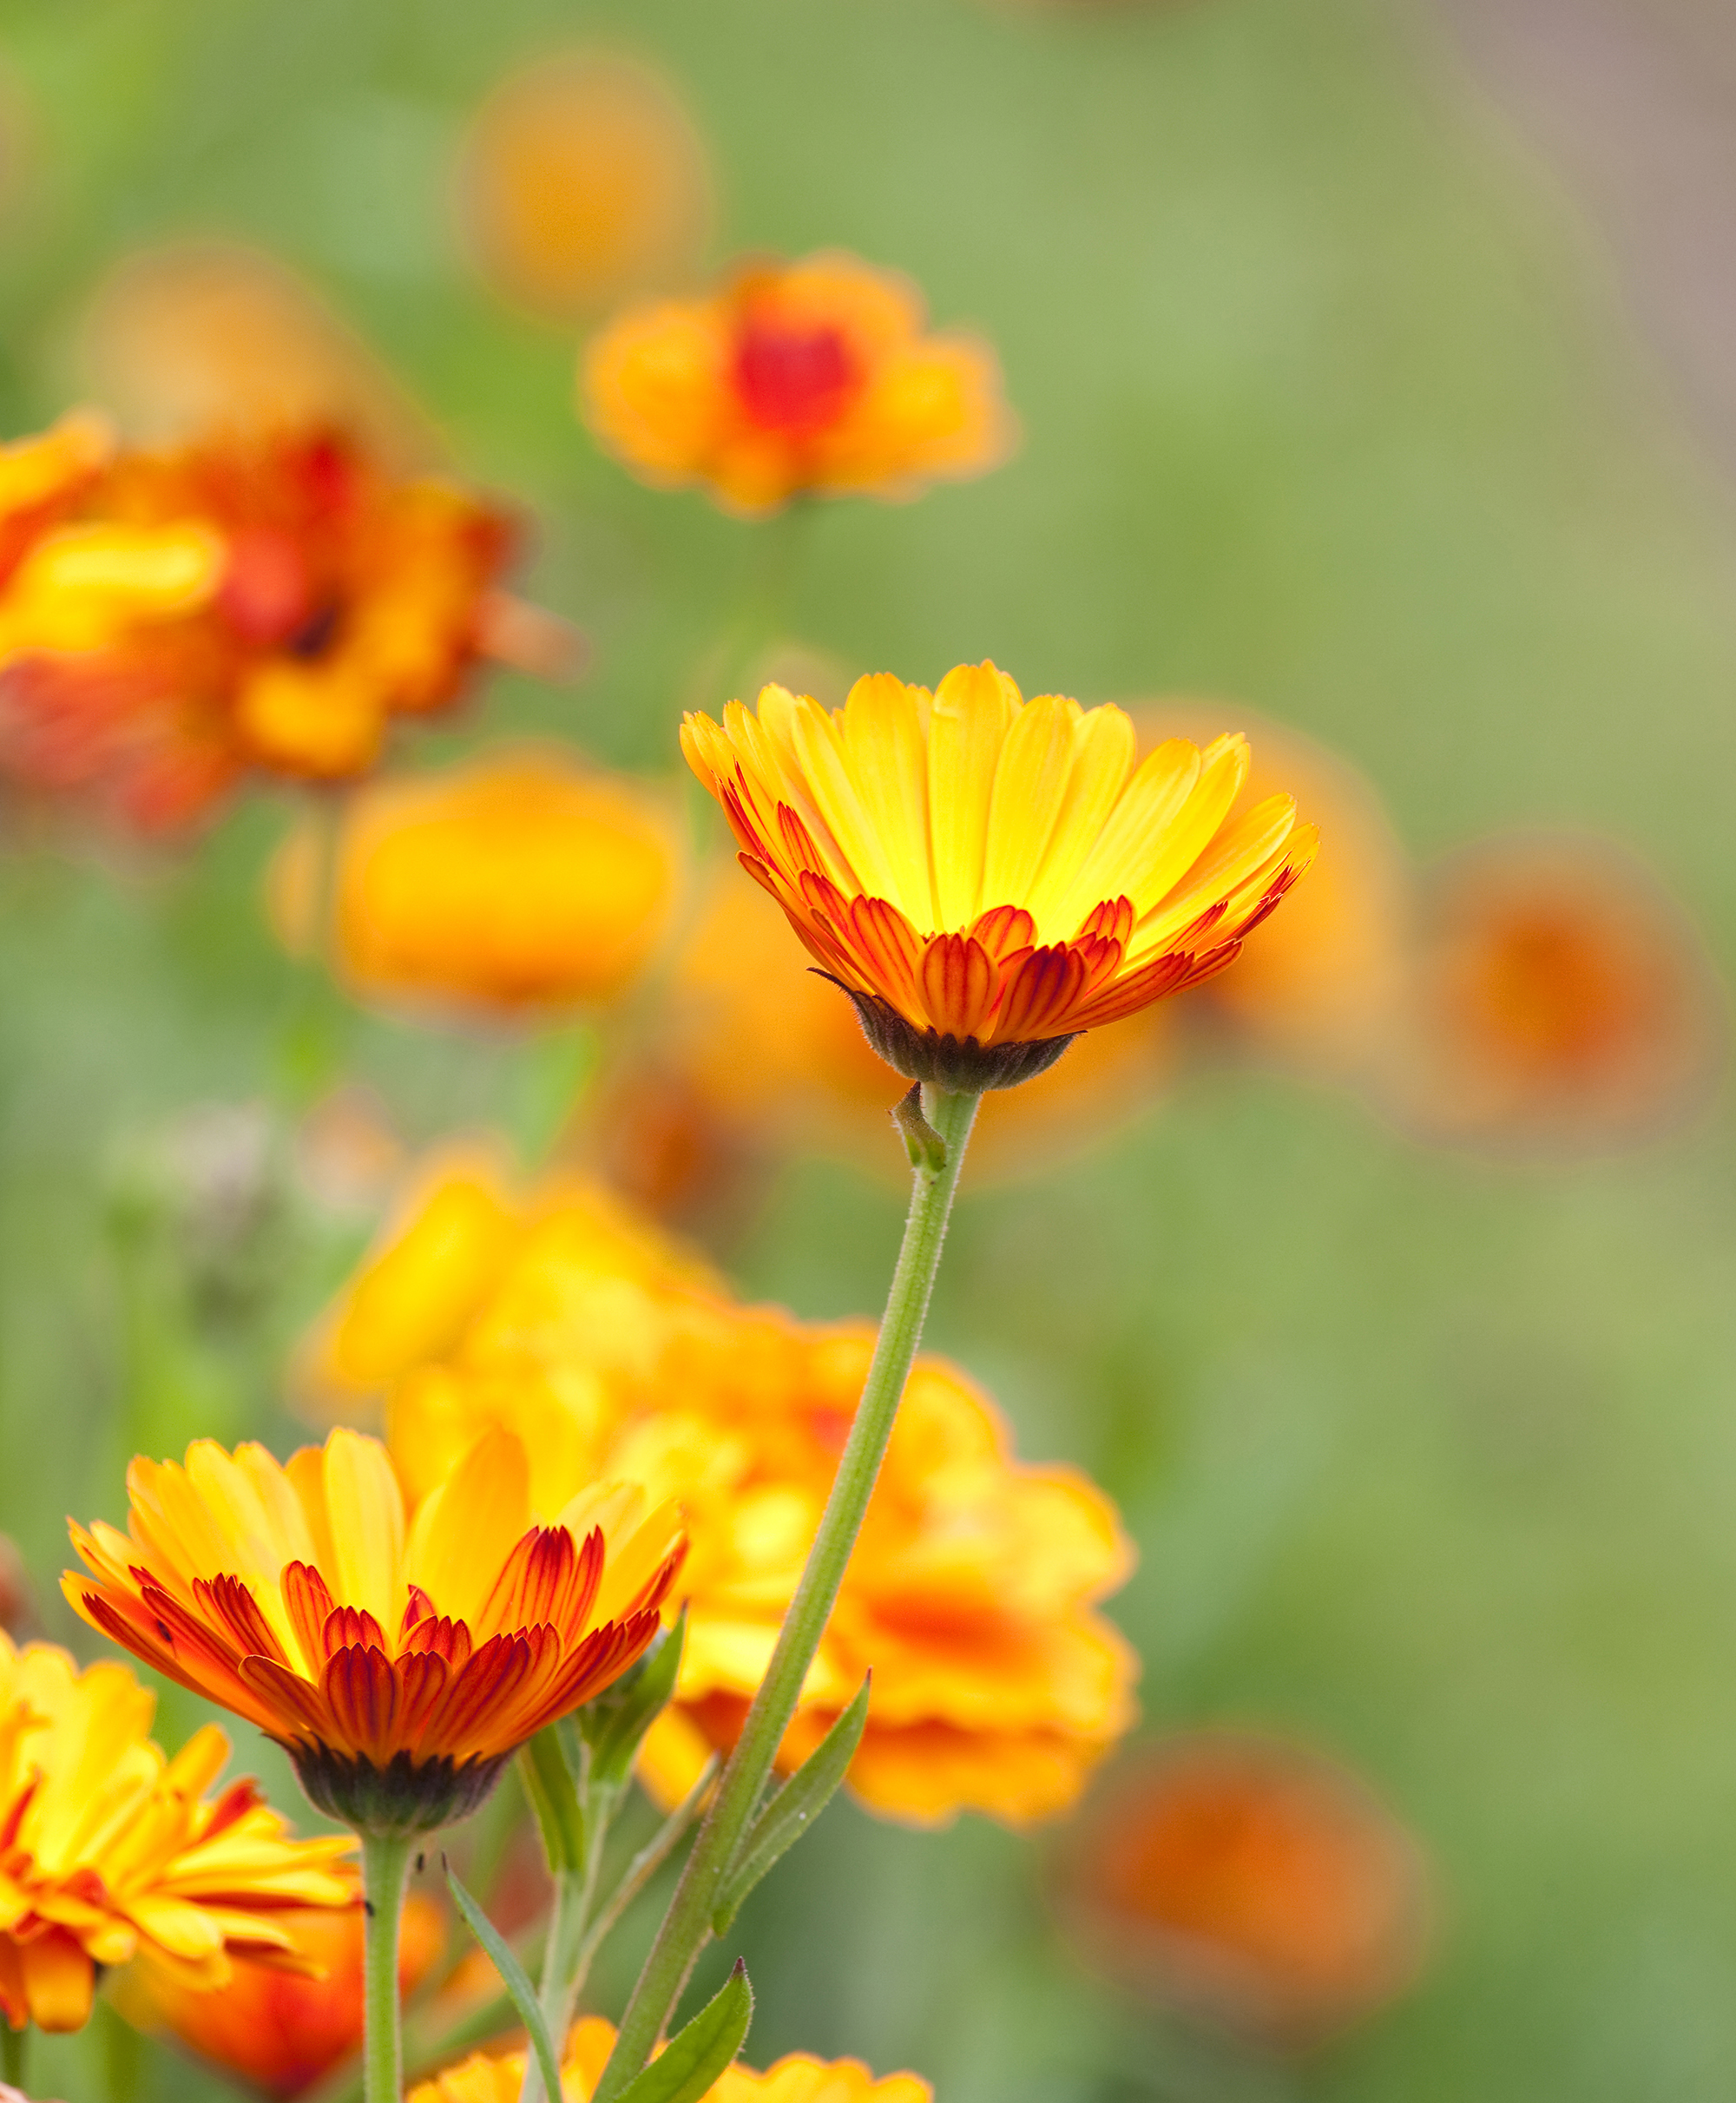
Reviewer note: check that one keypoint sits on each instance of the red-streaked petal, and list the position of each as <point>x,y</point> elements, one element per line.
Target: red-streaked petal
<point>959,985</point>
<point>349,1628</point>
<point>1002,931</point>
<point>491,1679</point>
<point>291,1707</point>
<point>419,1607</point>
<point>1041,995</point>
<point>444,1637</point>
<point>362,1699</point>
<point>308,1601</point>
<point>422,1678</point>
<point>1113,921</point>
<point>230,1603</point>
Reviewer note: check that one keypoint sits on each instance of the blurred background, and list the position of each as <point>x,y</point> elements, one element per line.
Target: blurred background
<point>1376,367</point>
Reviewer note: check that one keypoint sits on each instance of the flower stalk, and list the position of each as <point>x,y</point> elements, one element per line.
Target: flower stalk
<point>688,1921</point>
<point>385,1874</point>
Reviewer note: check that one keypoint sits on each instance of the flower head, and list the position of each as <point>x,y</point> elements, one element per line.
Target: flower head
<point>1250,1880</point>
<point>109,1852</point>
<point>281,2031</point>
<point>398,1666</point>
<point>485,2078</point>
<point>987,876</point>
<point>809,378</point>
<point>1556,999</point>
<point>517,884</point>
<point>582,179</point>
<point>971,1595</point>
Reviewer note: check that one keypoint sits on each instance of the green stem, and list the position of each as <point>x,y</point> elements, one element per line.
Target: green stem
<point>385,1872</point>
<point>13,2054</point>
<point>565,1958</point>
<point>687,1924</point>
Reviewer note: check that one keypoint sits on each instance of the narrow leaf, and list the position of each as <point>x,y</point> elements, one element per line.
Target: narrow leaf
<point>548,1782</point>
<point>615,1721</point>
<point>794,1810</point>
<point>697,2056</point>
<point>513,1977</point>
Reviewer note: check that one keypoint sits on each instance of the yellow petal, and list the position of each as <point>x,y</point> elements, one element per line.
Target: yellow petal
<point>467,1529</point>
<point>975,706</point>
<point>366,1511</point>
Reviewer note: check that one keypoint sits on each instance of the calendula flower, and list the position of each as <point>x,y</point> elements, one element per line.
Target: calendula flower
<point>1556,999</point>
<point>1318,985</point>
<point>281,2031</point>
<point>319,599</point>
<point>1250,1881</point>
<point>582,179</point>
<point>985,877</point>
<point>516,885</point>
<point>109,1852</point>
<point>792,379</point>
<point>799,2079</point>
<point>997,1685</point>
<point>398,1665</point>
<point>459,1228</point>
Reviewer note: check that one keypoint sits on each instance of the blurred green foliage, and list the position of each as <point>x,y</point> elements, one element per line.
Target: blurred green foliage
<point>1329,405</point>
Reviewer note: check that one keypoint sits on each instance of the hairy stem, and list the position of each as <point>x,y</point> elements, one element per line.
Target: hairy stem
<point>385,1872</point>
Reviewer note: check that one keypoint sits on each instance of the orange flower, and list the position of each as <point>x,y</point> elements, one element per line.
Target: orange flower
<point>803,378</point>
<point>281,2031</point>
<point>986,878</point>
<point>1242,1877</point>
<point>519,884</point>
<point>797,2079</point>
<point>582,179</point>
<point>1319,982</point>
<point>1557,998</point>
<point>109,1852</point>
<point>970,1595</point>
<point>398,1667</point>
<point>342,600</point>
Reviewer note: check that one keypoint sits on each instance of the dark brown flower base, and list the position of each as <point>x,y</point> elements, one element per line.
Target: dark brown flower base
<point>399,1799</point>
<point>960,1066</point>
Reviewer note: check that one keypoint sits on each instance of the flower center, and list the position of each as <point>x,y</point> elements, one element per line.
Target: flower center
<point>797,381</point>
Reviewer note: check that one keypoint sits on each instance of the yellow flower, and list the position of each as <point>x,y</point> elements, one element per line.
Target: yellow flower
<point>398,1665</point>
<point>797,2079</point>
<point>282,2031</point>
<point>582,179</point>
<point>1247,1879</point>
<point>109,1852</point>
<point>984,876</point>
<point>517,884</point>
<point>972,1593</point>
<point>795,378</point>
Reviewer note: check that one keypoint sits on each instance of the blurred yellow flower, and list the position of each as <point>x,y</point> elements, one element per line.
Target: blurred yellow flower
<point>279,2031</point>
<point>1556,999</point>
<point>1317,985</point>
<point>970,1595</point>
<point>520,883</point>
<point>114,1852</point>
<point>582,179</point>
<point>398,1665</point>
<point>985,878</point>
<point>1248,1880</point>
<point>797,2079</point>
<point>809,378</point>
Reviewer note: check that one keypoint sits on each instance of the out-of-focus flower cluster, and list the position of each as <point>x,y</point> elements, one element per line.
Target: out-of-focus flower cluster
<point>563,1320</point>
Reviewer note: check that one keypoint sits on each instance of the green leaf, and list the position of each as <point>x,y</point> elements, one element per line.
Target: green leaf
<point>613,1725</point>
<point>794,1810</point>
<point>512,1974</point>
<point>926,1148</point>
<point>698,2055</point>
<point>549,1783</point>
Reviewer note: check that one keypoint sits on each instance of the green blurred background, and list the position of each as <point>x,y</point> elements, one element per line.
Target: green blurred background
<point>1333,405</point>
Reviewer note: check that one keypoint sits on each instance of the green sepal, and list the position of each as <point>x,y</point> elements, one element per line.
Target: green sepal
<point>546,1771</point>
<point>698,2055</point>
<point>613,1724</point>
<point>793,1811</point>
<point>513,1978</point>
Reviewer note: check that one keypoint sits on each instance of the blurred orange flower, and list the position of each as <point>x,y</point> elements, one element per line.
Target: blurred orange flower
<point>1252,1882</point>
<point>1316,985</point>
<point>398,1665</point>
<point>281,2031</point>
<point>520,883</point>
<point>113,1852</point>
<point>582,179</point>
<point>985,877</point>
<point>1557,998</point>
<point>320,599</point>
<point>797,2079</point>
<point>970,1595</point>
<point>792,379</point>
